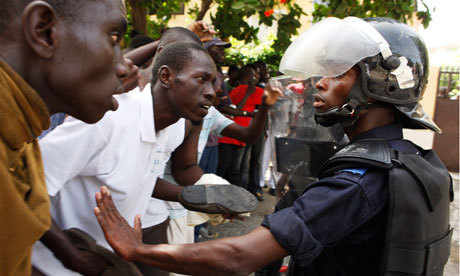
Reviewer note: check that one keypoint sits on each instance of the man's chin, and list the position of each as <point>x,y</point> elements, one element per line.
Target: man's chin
<point>196,122</point>
<point>90,118</point>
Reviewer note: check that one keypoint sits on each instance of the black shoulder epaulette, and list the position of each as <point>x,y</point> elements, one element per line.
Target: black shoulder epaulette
<point>360,154</point>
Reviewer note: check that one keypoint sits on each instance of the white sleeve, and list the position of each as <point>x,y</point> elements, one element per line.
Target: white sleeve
<point>220,123</point>
<point>70,150</point>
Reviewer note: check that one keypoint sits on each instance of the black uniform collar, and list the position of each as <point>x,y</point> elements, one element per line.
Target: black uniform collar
<point>388,132</point>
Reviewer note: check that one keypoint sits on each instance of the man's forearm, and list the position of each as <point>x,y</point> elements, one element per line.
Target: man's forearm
<point>229,256</point>
<point>72,258</point>
<point>249,134</point>
<point>231,111</point>
<point>257,124</point>
<point>165,190</point>
<point>187,176</point>
<point>59,244</point>
<point>140,55</point>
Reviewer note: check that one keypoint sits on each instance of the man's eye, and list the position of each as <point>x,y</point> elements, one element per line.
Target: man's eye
<point>340,76</point>
<point>115,37</point>
<point>201,79</point>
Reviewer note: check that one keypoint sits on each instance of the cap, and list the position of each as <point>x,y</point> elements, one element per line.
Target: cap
<point>216,41</point>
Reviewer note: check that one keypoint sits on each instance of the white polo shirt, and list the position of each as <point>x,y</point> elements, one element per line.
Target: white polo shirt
<point>121,151</point>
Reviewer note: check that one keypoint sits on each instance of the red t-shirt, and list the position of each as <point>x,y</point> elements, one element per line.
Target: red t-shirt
<point>236,95</point>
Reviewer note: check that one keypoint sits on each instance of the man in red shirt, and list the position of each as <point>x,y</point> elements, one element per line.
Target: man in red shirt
<point>246,96</point>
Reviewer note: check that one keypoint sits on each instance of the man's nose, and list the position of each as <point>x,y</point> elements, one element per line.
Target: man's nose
<point>322,84</point>
<point>209,92</point>
<point>122,65</point>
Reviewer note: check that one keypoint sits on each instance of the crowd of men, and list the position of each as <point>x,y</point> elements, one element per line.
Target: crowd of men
<point>72,202</point>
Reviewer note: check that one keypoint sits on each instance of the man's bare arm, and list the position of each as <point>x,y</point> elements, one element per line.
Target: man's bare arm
<point>229,256</point>
<point>184,160</point>
<point>140,55</point>
<point>250,134</point>
<point>72,258</point>
<point>165,190</point>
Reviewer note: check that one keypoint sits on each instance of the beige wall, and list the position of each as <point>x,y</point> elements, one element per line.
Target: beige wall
<point>424,138</point>
<point>429,98</point>
<point>184,19</point>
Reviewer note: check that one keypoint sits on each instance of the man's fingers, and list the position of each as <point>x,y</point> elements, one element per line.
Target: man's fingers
<point>111,209</point>
<point>107,199</point>
<point>99,202</point>
<point>100,218</point>
<point>137,223</point>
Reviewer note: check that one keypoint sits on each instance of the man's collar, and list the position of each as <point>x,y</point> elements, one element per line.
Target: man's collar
<point>24,115</point>
<point>388,132</point>
<point>146,116</point>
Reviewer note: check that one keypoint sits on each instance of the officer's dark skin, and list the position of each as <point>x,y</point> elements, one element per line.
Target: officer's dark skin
<point>228,256</point>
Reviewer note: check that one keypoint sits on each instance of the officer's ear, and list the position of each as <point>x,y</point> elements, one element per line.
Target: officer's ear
<point>166,76</point>
<point>39,26</point>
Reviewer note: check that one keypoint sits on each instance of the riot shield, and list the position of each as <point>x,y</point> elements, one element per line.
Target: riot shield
<point>301,145</point>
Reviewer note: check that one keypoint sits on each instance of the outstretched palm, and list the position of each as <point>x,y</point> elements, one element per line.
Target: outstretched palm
<point>119,234</point>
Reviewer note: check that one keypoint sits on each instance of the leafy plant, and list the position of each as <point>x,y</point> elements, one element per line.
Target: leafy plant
<point>402,10</point>
<point>242,53</point>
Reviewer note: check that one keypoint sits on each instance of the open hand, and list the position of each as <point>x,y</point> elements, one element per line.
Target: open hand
<point>119,234</point>
<point>273,90</point>
<point>202,29</point>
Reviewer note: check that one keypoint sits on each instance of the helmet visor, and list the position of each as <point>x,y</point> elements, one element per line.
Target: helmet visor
<point>331,47</point>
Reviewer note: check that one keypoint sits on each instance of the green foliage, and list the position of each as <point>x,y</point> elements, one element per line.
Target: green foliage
<point>242,53</point>
<point>162,11</point>
<point>194,11</point>
<point>127,38</point>
<point>230,19</point>
<point>402,10</point>
<point>287,27</point>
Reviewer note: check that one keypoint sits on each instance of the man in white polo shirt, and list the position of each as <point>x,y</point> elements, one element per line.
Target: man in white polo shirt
<point>127,150</point>
<point>214,122</point>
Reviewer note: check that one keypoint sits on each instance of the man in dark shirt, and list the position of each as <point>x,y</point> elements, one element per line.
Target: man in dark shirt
<point>338,226</point>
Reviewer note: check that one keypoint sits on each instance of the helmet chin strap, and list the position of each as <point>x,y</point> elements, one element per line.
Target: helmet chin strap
<point>348,113</point>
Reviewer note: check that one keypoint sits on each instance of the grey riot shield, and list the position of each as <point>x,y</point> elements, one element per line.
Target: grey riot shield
<point>301,144</point>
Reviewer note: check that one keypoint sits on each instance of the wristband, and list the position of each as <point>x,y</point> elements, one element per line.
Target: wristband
<point>245,113</point>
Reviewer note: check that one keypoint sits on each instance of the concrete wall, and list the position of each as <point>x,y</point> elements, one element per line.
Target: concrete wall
<point>424,138</point>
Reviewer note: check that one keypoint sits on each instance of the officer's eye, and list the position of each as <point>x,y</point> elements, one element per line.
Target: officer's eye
<point>340,76</point>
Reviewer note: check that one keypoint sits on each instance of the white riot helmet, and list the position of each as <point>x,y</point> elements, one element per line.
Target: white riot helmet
<point>392,58</point>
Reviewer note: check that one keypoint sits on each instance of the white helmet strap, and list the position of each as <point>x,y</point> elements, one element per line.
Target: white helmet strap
<point>403,72</point>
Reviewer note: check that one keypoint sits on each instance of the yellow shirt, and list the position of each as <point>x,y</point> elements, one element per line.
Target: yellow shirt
<point>24,203</point>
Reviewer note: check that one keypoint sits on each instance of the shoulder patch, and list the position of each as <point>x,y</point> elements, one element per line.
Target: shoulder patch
<point>361,172</point>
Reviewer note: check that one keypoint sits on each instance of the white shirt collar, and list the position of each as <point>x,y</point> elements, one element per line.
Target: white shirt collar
<point>146,116</point>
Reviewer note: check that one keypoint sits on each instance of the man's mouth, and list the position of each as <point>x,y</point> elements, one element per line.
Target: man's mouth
<point>206,106</point>
<point>319,102</point>
<point>120,90</point>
